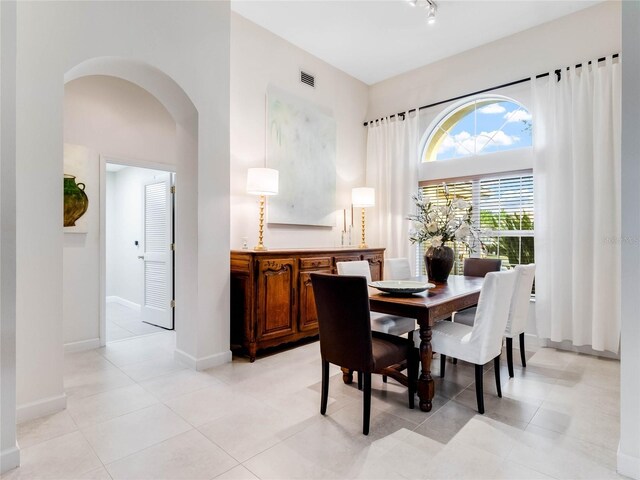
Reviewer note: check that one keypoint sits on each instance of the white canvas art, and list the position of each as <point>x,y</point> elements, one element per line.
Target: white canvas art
<point>301,145</point>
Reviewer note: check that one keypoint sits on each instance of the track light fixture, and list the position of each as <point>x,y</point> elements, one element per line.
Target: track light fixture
<point>429,5</point>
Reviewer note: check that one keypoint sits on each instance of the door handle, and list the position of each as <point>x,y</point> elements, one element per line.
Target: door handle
<point>141,257</point>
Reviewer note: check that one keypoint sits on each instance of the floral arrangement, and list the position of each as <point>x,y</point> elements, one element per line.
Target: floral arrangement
<point>437,224</point>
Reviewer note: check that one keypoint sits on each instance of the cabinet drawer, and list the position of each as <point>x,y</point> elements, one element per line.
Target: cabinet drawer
<point>315,262</point>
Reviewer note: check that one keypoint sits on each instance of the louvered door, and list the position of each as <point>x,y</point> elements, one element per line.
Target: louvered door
<point>157,306</point>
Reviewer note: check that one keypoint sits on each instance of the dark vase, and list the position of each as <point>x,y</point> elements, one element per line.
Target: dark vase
<point>76,201</point>
<point>439,262</point>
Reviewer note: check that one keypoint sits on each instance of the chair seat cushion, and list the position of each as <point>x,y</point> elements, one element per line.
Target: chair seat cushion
<point>388,350</point>
<point>392,324</point>
<point>465,317</point>
<point>452,339</point>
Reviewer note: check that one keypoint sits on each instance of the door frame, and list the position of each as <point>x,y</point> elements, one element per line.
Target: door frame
<point>127,162</point>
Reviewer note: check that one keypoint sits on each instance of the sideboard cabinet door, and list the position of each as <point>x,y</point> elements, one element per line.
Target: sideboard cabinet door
<point>308,315</point>
<point>276,297</point>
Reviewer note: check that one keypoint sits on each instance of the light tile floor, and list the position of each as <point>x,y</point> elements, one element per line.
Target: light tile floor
<point>133,413</point>
<point>125,322</point>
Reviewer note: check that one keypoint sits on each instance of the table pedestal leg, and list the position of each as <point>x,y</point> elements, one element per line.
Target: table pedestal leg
<point>426,388</point>
<point>347,375</point>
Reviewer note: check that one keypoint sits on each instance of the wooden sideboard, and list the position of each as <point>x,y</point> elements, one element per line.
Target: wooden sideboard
<point>271,296</point>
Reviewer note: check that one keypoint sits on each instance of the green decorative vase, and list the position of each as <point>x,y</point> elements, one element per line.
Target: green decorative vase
<point>76,201</point>
<point>439,262</point>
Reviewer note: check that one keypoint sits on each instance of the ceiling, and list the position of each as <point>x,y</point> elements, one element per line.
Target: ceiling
<point>376,40</point>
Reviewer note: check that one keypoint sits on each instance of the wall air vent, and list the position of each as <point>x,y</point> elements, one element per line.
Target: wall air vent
<point>307,78</point>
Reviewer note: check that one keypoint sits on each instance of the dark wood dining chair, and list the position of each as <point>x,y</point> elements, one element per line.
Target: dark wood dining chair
<point>479,267</point>
<point>346,340</point>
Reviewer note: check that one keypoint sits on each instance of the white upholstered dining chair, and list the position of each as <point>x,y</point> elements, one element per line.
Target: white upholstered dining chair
<point>518,313</point>
<point>397,269</point>
<point>482,342</point>
<point>379,321</point>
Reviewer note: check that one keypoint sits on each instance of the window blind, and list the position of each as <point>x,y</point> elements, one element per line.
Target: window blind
<point>502,208</point>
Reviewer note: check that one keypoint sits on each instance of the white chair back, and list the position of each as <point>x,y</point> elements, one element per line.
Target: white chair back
<point>360,267</point>
<point>519,309</point>
<point>492,314</point>
<point>397,269</point>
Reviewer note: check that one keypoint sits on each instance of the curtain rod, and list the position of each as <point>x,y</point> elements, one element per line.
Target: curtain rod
<point>558,72</point>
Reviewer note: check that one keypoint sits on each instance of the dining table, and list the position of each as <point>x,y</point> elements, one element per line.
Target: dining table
<point>434,304</point>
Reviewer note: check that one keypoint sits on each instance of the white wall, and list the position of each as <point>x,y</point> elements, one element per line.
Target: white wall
<point>552,45</point>
<point>258,59</point>
<point>124,217</point>
<point>81,260</point>
<point>9,452</point>
<point>180,53</point>
<point>629,448</point>
<point>118,119</point>
<point>110,232</point>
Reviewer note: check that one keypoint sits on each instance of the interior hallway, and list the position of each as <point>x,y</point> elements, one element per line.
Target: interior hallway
<point>125,322</point>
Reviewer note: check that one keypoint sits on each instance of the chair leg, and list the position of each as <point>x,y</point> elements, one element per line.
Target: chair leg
<point>359,380</point>
<point>496,368</point>
<point>522,357</point>
<point>455,361</point>
<point>510,356</point>
<point>366,411</point>
<point>443,362</point>
<point>479,394</point>
<point>325,387</point>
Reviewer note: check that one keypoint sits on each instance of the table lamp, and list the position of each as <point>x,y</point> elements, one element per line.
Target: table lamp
<point>262,182</point>
<point>363,197</point>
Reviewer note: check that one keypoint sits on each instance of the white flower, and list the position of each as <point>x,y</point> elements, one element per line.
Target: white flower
<point>436,241</point>
<point>463,232</point>
<point>432,227</point>
<point>461,204</point>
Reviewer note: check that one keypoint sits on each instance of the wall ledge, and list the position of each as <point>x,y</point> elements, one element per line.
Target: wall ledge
<point>9,459</point>
<point>628,465</point>
<point>41,408</point>
<point>204,362</point>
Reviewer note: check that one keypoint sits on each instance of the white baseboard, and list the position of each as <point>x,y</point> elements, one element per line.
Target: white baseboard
<point>82,345</point>
<point>9,459</point>
<point>204,362</point>
<point>123,301</point>
<point>628,466</point>
<point>40,408</point>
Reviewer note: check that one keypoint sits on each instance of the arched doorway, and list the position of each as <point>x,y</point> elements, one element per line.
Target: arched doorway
<point>183,160</point>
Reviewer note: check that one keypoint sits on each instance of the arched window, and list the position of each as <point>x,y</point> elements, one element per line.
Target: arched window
<point>483,125</point>
<point>474,146</point>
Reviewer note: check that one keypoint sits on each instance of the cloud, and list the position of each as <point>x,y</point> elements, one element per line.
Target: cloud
<point>492,108</point>
<point>464,143</point>
<point>519,115</point>
<point>495,138</point>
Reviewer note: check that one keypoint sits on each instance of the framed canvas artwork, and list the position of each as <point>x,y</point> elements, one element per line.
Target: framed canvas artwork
<point>301,145</point>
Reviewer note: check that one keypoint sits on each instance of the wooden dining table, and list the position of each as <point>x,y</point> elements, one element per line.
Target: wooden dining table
<point>428,307</point>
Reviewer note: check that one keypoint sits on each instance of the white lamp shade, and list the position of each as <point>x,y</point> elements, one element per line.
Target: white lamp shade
<point>363,197</point>
<point>262,181</point>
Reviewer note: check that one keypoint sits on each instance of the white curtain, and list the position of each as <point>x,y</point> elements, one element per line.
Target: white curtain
<point>577,205</point>
<point>392,169</point>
